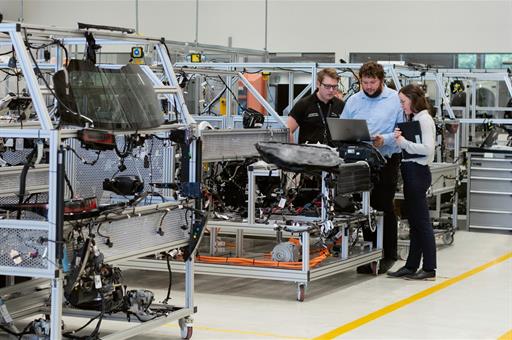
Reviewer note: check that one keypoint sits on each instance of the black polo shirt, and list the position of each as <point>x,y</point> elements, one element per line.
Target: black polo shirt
<point>310,113</point>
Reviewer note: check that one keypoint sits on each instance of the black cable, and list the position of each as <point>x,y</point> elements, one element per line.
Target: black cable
<point>40,73</point>
<point>293,70</point>
<point>6,53</point>
<point>25,330</point>
<point>127,148</point>
<point>84,161</point>
<point>64,48</point>
<point>214,100</point>
<point>97,328</point>
<point>23,178</point>
<point>168,297</point>
<point>99,233</point>
<point>166,49</point>
<point>176,109</point>
<point>8,73</point>
<point>251,72</point>
<point>7,330</point>
<point>150,155</point>
<point>232,93</point>
<point>70,334</point>
<point>68,183</point>
<point>142,320</point>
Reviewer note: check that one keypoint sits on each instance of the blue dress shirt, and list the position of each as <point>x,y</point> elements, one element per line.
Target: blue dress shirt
<point>382,113</point>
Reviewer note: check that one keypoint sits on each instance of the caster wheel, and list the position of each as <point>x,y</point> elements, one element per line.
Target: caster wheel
<point>185,328</point>
<point>448,238</point>
<point>186,333</point>
<point>300,293</point>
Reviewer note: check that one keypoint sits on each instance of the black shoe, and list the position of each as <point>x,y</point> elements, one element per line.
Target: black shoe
<point>402,272</point>
<point>422,275</point>
<point>384,266</point>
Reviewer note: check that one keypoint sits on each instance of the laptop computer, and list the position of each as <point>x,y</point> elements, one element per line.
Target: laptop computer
<point>348,130</point>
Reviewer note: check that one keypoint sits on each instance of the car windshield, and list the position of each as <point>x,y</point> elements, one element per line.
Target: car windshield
<point>107,98</point>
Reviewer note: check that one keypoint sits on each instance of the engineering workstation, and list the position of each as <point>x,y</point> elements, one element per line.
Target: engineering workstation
<point>89,150</point>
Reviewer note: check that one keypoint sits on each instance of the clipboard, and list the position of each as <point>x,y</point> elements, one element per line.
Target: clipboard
<point>412,132</point>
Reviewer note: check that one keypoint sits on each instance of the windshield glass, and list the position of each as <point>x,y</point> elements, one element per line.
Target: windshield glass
<point>113,99</point>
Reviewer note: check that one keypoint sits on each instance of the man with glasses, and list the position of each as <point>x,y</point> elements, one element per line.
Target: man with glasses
<point>311,112</point>
<point>380,107</point>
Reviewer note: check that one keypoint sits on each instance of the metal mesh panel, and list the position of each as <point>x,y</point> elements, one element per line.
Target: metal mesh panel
<point>88,180</point>
<point>25,214</point>
<point>133,235</point>
<point>25,243</point>
<point>37,180</point>
<point>221,145</point>
<point>16,157</point>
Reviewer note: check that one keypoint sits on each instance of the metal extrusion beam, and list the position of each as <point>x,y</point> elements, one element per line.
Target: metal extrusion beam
<point>169,72</point>
<point>149,325</point>
<point>299,97</point>
<point>507,81</point>
<point>485,121</point>
<point>284,67</point>
<point>444,97</point>
<point>207,71</point>
<point>31,79</point>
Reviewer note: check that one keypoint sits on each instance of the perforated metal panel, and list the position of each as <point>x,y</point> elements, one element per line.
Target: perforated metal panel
<point>88,180</point>
<point>137,235</point>
<point>16,157</point>
<point>221,145</point>
<point>37,179</point>
<point>26,244</point>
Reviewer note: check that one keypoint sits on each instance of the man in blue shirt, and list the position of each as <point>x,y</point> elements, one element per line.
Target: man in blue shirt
<point>380,107</point>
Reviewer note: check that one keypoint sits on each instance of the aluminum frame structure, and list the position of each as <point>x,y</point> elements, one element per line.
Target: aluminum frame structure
<point>469,118</point>
<point>45,128</point>
<point>236,70</point>
<point>301,277</point>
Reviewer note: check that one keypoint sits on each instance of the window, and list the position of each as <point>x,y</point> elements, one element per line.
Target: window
<point>496,60</point>
<point>466,60</point>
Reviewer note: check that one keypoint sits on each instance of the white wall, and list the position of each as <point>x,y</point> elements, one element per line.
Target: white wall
<point>297,25</point>
<point>10,9</point>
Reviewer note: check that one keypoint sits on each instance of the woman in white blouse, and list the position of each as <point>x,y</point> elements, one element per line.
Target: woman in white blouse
<point>417,179</point>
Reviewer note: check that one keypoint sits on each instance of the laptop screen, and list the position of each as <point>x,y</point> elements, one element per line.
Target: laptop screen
<point>348,130</point>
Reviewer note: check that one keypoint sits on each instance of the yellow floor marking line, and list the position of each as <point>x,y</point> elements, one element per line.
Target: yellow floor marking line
<point>413,298</point>
<point>234,331</point>
<point>506,336</point>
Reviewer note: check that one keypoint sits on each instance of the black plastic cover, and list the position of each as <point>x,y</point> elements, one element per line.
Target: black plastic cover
<point>299,158</point>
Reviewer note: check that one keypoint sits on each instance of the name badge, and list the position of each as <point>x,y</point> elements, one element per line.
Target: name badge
<point>313,114</point>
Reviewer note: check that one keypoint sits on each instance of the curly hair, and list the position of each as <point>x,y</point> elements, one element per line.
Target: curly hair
<point>371,69</point>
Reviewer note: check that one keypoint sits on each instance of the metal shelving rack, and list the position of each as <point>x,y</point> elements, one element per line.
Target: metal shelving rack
<point>44,295</point>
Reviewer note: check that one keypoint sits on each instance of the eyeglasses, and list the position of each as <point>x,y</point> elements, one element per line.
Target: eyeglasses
<point>330,87</point>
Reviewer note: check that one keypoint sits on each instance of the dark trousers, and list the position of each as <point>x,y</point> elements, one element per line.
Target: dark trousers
<point>382,199</point>
<point>417,178</point>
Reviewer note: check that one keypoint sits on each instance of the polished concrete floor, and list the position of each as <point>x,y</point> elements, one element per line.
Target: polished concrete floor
<point>471,299</point>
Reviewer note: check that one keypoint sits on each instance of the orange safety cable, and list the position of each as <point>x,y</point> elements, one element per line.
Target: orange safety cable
<point>241,261</point>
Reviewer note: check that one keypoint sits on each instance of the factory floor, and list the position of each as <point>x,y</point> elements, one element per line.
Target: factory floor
<point>471,299</point>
